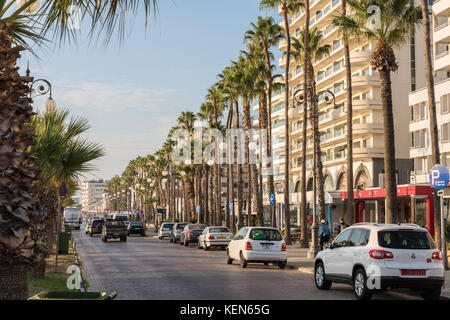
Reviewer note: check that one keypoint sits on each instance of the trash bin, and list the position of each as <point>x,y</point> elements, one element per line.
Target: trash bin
<point>63,243</point>
<point>67,229</point>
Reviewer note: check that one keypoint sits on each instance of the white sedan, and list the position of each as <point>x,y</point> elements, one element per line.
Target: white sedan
<point>257,245</point>
<point>214,237</point>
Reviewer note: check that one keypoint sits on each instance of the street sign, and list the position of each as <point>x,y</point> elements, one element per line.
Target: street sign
<point>439,177</point>
<point>62,191</point>
<point>231,206</point>
<point>272,198</point>
<point>197,209</point>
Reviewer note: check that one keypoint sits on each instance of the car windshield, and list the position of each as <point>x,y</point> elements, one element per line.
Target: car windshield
<point>405,239</point>
<point>180,226</point>
<point>265,234</point>
<point>167,226</point>
<point>219,230</point>
<point>114,223</point>
<point>197,226</point>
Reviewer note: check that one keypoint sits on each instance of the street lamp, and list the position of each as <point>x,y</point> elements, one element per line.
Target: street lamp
<point>43,86</point>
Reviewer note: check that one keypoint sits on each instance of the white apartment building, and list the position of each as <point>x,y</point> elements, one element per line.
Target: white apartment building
<point>91,192</point>
<point>419,126</point>
<point>368,144</point>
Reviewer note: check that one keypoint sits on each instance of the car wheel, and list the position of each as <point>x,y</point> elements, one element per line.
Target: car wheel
<point>360,289</point>
<point>142,234</point>
<point>242,260</point>
<point>105,239</point>
<point>174,240</point>
<point>319,277</point>
<point>433,294</point>
<point>198,245</point>
<point>205,246</point>
<point>124,239</point>
<point>282,265</point>
<point>229,260</point>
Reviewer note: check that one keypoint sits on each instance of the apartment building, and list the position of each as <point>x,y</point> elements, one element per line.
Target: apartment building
<point>368,143</point>
<point>419,126</point>
<point>91,192</point>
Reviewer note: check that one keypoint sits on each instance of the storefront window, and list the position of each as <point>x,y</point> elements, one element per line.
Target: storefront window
<point>421,212</point>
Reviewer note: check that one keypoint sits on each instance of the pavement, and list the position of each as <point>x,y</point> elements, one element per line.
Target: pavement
<point>149,268</point>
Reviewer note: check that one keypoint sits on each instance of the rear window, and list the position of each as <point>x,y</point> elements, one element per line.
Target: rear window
<point>167,226</point>
<point>197,226</point>
<point>114,223</point>
<point>180,226</point>
<point>405,239</point>
<point>95,222</point>
<point>218,230</point>
<point>265,235</point>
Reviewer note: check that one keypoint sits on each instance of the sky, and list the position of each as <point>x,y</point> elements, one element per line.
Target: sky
<point>132,93</point>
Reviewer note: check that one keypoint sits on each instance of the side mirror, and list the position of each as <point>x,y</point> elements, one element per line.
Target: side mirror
<point>329,245</point>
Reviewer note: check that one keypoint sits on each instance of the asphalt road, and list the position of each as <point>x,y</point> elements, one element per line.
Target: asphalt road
<point>149,268</point>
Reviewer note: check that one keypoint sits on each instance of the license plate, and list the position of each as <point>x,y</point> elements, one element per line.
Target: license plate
<point>221,237</point>
<point>266,247</point>
<point>413,272</point>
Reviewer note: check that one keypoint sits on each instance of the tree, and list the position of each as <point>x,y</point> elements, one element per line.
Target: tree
<point>316,51</point>
<point>287,6</point>
<point>396,21</point>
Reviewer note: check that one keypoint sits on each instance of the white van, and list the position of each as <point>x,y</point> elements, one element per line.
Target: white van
<point>72,217</point>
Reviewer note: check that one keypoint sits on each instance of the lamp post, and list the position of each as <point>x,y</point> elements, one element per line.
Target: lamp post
<point>43,87</point>
<point>314,249</point>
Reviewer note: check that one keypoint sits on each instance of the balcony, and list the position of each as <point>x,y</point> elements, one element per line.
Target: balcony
<point>366,104</point>
<point>365,82</point>
<point>368,152</point>
<point>442,33</point>
<point>441,8</point>
<point>442,61</point>
<point>360,58</point>
<point>367,128</point>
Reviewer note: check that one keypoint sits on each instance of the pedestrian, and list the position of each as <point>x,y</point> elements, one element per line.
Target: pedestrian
<point>324,233</point>
<point>342,224</point>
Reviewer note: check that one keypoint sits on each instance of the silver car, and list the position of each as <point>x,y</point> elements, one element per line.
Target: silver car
<point>176,231</point>
<point>214,237</point>
<point>165,230</point>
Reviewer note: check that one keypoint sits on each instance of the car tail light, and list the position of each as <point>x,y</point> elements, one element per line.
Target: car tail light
<point>79,220</point>
<point>248,246</point>
<point>283,247</point>
<point>190,232</point>
<point>381,254</point>
<point>64,219</point>
<point>210,238</point>
<point>436,255</point>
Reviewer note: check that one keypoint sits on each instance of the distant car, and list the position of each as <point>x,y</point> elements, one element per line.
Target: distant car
<point>165,230</point>
<point>214,237</point>
<point>136,227</point>
<point>176,231</point>
<point>384,255</point>
<point>87,228</point>
<point>190,233</point>
<point>115,229</point>
<point>96,227</point>
<point>257,245</point>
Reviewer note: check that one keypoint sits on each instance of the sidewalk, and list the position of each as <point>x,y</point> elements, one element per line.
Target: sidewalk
<point>297,260</point>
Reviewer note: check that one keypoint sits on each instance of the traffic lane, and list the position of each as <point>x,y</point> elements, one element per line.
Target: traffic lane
<point>147,268</point>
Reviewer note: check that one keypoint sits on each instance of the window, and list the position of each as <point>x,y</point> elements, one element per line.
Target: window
<point>265,235</point>
<point>219,230</point>
<point>445,103</point>
<point>418,139</point>
<point>359,237</point>
<point>445,132</point>
<point>241,234</point>
<point>342,239</point>
<point>336,44</point>
<point>405,239</point>
<point>335,3</point>
<point>318,15</point>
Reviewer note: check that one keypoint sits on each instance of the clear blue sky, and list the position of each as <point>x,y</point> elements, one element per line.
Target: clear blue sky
<point>133,93</point>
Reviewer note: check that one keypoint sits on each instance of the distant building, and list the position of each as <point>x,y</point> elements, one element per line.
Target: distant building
<point>91,192</point>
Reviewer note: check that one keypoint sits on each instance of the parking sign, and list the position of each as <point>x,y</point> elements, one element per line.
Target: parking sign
<point>439,177</point>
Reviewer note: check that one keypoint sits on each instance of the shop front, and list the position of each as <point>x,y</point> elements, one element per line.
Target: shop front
<point>415,205</point>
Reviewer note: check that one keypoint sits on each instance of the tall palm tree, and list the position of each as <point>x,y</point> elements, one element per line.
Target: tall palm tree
<point>397,20</point>
<point>316,51</point>
<point>287,7</point>
<point>435,152</point>
<point>267,33</point>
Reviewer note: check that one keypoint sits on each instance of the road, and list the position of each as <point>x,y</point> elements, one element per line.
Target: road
<point>148,268</point>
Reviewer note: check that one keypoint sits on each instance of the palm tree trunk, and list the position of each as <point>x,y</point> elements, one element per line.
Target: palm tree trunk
<point>391,215</point>
<point>287,210</point>
<point>350,199</point>
<point>205,189</point>
<point>435,152</point>
<point>13,282</point>
<point>239,173</point>
<point>304,241</point>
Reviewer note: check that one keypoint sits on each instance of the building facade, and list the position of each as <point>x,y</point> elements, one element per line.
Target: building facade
<point>91,192</point>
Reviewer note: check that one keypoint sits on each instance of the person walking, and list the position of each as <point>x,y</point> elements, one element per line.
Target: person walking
<point>342,225</point>
<point>324,233</point>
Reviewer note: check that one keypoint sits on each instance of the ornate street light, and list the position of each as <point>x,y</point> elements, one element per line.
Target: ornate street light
<point>43,87</point>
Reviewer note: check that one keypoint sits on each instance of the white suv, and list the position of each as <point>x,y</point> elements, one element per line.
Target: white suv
<point>373,257</point>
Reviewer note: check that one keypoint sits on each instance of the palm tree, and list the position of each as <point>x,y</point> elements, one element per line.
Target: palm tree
<point>267,33</point>
<point>397,20</point>
<point>316,51</point>
<point>435,152</point>
<point>287,7</point>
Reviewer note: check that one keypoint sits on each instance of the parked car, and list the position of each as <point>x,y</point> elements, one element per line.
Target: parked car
<point>165,230</point>
<point>176,231</point>
<point>87,228</point>
<point>190,233</point>
<point>136,227</point>
<point>214,237</point>
<point>257,245</point>
<point>72,217</point>
<point>388,255</point>
<point>115,229</point>
<point>96,227</point>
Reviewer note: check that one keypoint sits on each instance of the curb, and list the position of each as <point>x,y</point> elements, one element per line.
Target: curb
<point>77,263</point>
